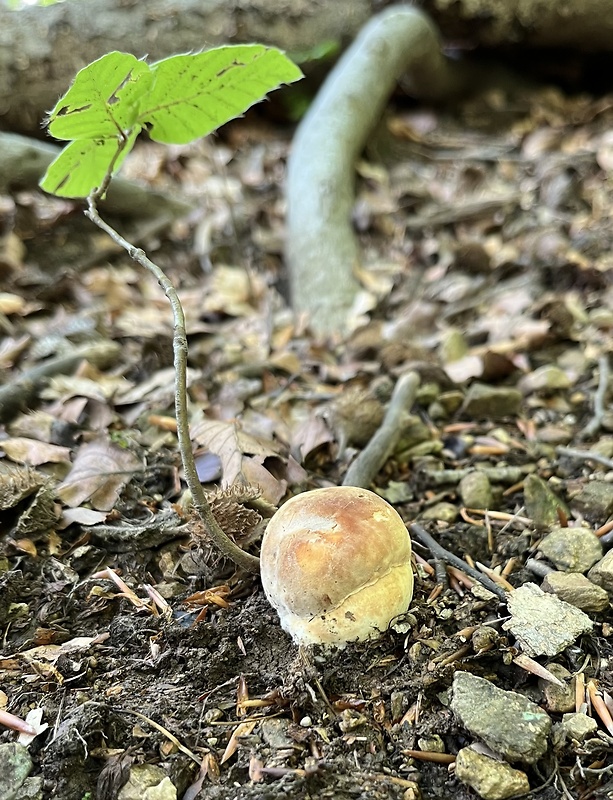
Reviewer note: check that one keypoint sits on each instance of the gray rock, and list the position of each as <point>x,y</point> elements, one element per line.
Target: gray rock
<point>444,512</point>
<point>542,503</point>
<point>481,707</point>
<point>576,589</point>
<point>275,733</point>
<point>148,782</point>
<point>602,573</point>
<point>491,402</point>
<point>594,501</point>
<point>571,549</point>
<point>490,778</point>
<point>579,726</point>
<point>32,789</point>
<point>558,699</point>
<point>543,624</point>
<point>15,766</point>
<point>548,378</point>
<point>476,490</point>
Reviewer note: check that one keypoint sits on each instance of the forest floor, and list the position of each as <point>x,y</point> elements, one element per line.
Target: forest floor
<point>487,234</point>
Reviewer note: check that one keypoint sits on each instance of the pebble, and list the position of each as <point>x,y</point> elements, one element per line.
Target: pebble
<point>476,490</point>
<point>542,503</point>
<point>594,501</point>
<point>491,402</point>
<point>306,722</point>
<point>480,706</point>
<point>576,589</point>
<point>148,782</point>
<point>490,778</point>
<point>532,612</point>
<point>443,512</point>
<point>602,573</point>
<point>545,379</point>
<point>579,726</point>
<point>558,699</point>
<point>571,549</point>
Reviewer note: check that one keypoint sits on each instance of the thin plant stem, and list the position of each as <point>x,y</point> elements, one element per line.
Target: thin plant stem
<point>179,343</point>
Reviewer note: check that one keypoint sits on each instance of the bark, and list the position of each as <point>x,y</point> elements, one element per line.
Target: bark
<point>41,49</point>
<point>585,25</point>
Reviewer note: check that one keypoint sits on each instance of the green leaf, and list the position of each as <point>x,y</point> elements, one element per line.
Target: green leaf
<point>103,99</point>
<point>193,95</point>
<point>83,165</point>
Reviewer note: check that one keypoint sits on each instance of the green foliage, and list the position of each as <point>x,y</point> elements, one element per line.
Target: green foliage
<point>176,100</point>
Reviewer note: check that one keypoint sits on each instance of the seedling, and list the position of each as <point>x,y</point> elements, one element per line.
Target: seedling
<point>177,100</point>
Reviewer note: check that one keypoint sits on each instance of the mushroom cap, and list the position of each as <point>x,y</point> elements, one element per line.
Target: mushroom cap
<point>336,565</point>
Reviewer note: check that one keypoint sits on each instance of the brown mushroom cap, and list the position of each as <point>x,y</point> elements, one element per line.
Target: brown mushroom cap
<point>336,565</point>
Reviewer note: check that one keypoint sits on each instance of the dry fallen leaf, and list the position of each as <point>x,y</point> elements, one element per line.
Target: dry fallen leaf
<point>33,452</point>
<point>100,471</point>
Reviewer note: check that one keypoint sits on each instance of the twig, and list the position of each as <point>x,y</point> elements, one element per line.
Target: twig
<point>438,551</point>
<point>585,455</point>
<point>224,544</point>
<point>366,466</point>
<point>593,426</point>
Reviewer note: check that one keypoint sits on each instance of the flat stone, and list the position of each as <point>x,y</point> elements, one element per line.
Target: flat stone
<point>490,778</point>
<point>543,624</point>
<point>15,766</point>
<point>602,573</point>
<point>576,589</point>
<point>481,707</point>
<point>542,503</point>
<point>491,402</point>
<point>579,726</point>
<point>558,699</point>
<point>572,549</point>
<point>148,782</point>
<point>594,501</point>
<point>545,379</point>
<point>444,512</point>
<point>476,490</point>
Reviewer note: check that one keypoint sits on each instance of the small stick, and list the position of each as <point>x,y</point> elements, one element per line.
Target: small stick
<point>585,455</point>
<point>438,551</point>
<point>366,466</point>
<point>593,426</point>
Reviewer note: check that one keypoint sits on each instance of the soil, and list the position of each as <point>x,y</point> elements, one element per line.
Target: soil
<point>488,222</point>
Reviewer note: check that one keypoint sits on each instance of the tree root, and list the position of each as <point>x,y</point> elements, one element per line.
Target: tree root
<point>322,252</point>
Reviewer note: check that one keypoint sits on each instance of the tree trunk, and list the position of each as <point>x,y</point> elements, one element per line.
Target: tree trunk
<point>41,49</point>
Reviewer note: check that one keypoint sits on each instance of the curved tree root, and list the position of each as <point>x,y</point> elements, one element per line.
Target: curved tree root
<point>322,252</point>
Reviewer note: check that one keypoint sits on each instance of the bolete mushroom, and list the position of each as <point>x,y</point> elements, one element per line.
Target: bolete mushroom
<point>336,565</point>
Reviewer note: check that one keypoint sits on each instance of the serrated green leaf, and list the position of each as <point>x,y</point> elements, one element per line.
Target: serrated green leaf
<point>193,95</point>
<point>83,165</point>
<point>103,99</point>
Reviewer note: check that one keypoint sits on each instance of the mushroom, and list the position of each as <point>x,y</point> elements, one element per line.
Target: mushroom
<point>336,565</point>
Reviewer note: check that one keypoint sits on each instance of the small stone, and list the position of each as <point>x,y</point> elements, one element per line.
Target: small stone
<point>541,503</point>
<point>571,549</point>
<point>579,726</point>
<point>576,589</point>
<point>594,501</point>
<point>491,402</point>
<point>558,699</point>
<point>453,346</point>
<point>451,401</point>
<point>15,766</point>
<point>275,733</point>
<point>148,782</point>
<point>480,706</point>
<point>306,722</point>
<point>444,512</point>
<point>548,378</point>
<point>532,612</point>
<point>490,778</point>
<point>602,573</point>
<point>431,744</point>
<point>476,490</point>
<point>398,705</point>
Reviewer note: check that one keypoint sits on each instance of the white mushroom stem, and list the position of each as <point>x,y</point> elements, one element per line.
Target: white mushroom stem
<point>322,252</point>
